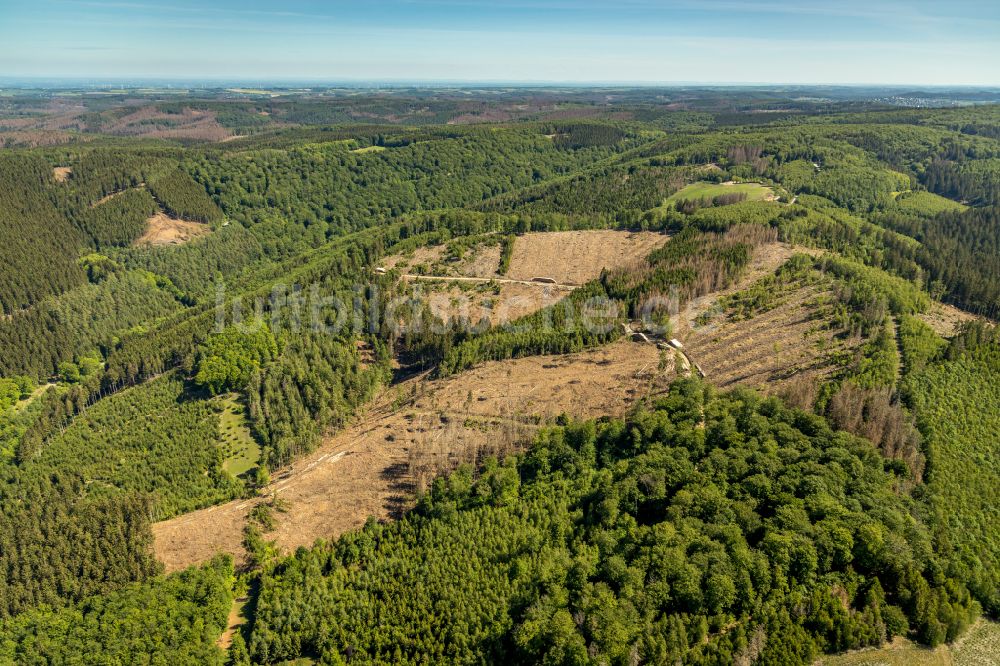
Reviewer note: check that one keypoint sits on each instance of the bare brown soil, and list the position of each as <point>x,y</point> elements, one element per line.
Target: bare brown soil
<point>768,350</point>
<point>62,174</point>
<point>576,257</point>
<point>161,229</point>
<point>765,261</point>
<point>774,350</point>
<point>36,138</point>
<point>413,431</point>
<point>571,258</point>
<point>500,304</point>
<point>422,255</point>
<point>482,263</point>
<point>59,121</point>
<point>420,427</point>
<point>479,262</point>
<point>149,121</point>
<point>568,257</point>
<point>945,319</point>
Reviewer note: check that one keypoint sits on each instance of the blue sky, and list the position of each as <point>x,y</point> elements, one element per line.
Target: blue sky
<point>941,42</point>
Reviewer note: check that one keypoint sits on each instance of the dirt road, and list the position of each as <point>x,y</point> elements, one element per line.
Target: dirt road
<point>533,283</point>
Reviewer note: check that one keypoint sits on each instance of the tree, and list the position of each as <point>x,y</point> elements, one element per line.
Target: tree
<point>228,359</point>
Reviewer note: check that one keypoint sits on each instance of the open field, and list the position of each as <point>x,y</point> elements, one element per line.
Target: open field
<point>411,261</point>
<point>704,190</point>
<point>483,261</point>
<point>945,319</point>
<point>62,174</point>
<point>413,431</point>
<point>472,288</point>
<point>979,646</point>
<point>238,446</point>
<point>769,350</point>
<point>927,203</point>
<point>766,259</point>
<point>500,302</point>
<point>161,229</point>
<point>568,257</point>
<point>576,257</point>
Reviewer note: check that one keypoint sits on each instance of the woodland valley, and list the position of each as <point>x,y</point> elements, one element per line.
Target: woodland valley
<point>690,375</point>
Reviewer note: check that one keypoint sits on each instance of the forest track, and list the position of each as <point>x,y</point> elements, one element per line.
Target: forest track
<point>117,193</point>
<point>482,280</point>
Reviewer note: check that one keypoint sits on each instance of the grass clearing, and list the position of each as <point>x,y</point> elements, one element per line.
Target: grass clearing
<point>900,652</point>
<point>979,646</point>
<point>926,203</point>
<point>240,449</point>
<point>368,149</point>
<point>706,190</point>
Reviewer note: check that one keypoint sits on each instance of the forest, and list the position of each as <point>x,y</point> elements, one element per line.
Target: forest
<point>705,524</point>
<point>686,534</point>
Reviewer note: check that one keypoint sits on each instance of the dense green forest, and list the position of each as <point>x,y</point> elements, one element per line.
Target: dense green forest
<point>955,399</point>
<point>708,529</point>
<point>178,621</point>
<point>705,527</point>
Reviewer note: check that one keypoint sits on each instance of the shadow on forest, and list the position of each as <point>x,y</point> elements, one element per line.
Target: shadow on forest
<point>397,474</point>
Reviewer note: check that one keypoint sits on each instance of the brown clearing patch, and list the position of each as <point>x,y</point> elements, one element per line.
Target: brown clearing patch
<point>765,261</point>
<point>945,319</point>
<point>413,431</point>
<point>422,255</point>
<point>421,427</point>
<point>161,229</point>
<point>149,121</point>
<point>571,258</point>
<point>568,257</point>
<point>482,262</point>
<point>576,257</point>
<point>503,304</point>
<point>770,350</point>
<point>62,174</point>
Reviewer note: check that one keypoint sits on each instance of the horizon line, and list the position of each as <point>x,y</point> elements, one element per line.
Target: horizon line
<point>105,80</point>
